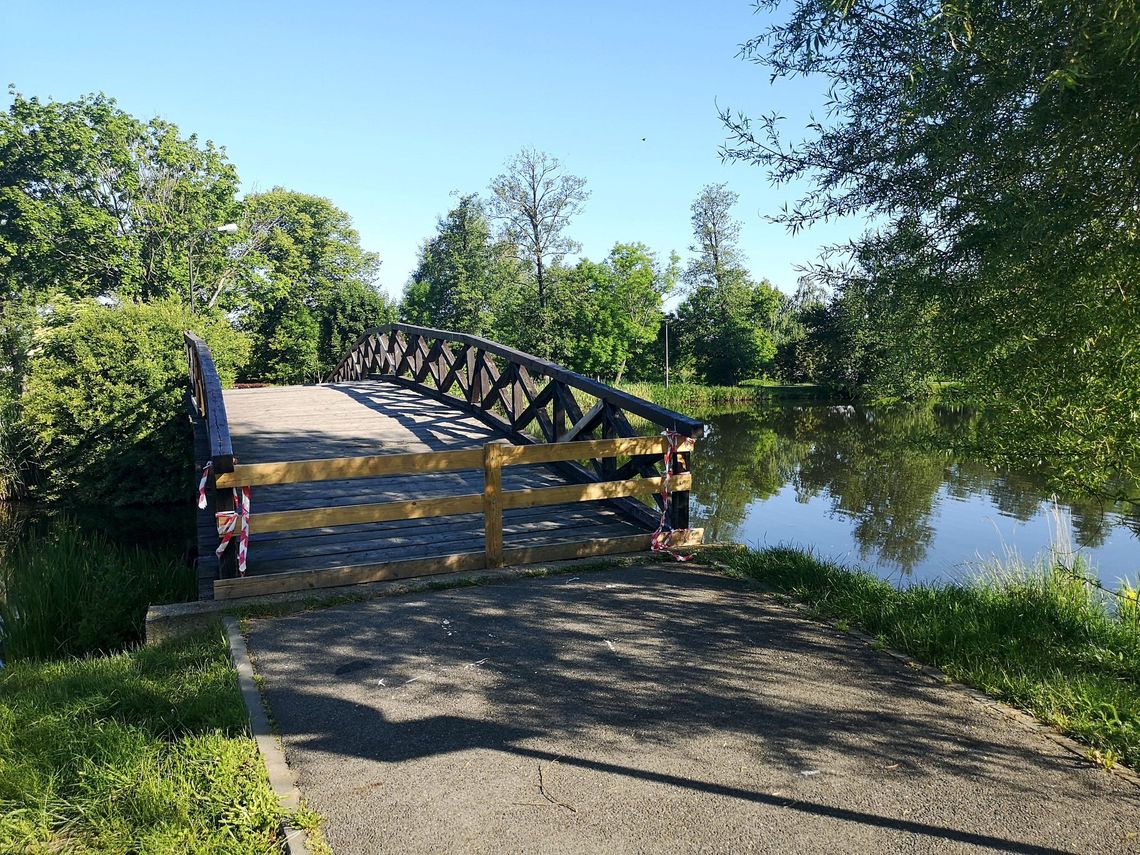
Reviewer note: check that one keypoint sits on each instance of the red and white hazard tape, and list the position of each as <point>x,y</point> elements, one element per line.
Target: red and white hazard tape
<point>229,522</point>
<point>664,534</point>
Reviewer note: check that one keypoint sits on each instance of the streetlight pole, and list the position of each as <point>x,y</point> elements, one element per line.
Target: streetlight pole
<point>666,353</point>
<point>227,229</point>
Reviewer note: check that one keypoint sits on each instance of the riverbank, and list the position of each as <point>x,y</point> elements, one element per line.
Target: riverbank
<point>697,394</point>
<point>143,751</point>
<point>1038,638</point>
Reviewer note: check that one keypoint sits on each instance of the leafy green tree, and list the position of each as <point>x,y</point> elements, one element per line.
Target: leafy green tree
<point>796,360</point>
<point>94,202</point>
<point>615,309</point>
<point>342,314</point>
<point>534,201</point>
<point>725,323</point>
<point>104,398</point>
<point>462,273</point>
<point>719,334</point>
<point>717,259</point>
<point>308,291</point>
<point>1001,144</point>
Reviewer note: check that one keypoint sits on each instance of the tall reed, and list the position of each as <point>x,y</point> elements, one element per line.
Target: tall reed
<point>66,590</point>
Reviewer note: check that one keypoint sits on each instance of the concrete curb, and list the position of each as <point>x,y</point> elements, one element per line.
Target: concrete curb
<point>1024,720</point>
<point>280,775</point>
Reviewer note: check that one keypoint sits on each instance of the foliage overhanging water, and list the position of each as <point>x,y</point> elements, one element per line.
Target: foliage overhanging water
<point>878,487</point>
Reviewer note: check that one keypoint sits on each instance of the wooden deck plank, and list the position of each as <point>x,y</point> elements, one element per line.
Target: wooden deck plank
<point>458,543</point>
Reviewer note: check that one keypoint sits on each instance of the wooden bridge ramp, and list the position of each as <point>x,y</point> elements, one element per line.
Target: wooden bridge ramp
<point>382,474</point>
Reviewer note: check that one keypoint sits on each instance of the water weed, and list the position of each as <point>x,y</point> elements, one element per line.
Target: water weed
<point>66,590</point>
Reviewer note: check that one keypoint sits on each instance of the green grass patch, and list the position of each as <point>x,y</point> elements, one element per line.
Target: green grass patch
<point>137,752</point>
<point>1033,636</point>
<point>69,591</point>
<point>690,394</point>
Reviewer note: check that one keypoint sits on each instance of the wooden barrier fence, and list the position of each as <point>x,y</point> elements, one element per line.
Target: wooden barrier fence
<point>492,502</point>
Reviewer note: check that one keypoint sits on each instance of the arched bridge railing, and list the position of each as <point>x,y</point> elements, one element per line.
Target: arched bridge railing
<point>206,403</point>
<point>528,399</point>
<point>212,444</point>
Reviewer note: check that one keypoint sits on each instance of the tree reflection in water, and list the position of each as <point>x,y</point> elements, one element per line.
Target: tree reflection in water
<point>887,470</point>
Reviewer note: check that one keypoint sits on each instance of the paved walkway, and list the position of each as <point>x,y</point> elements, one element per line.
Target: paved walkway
<point>653,710</point>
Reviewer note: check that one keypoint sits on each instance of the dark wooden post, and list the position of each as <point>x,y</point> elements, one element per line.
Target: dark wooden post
<point>559,412</point>
<point>679,501</point>
<point>478,386</point>
<point>609,431</point>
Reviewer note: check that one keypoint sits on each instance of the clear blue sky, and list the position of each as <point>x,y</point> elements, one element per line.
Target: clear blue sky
<point>387,107</point>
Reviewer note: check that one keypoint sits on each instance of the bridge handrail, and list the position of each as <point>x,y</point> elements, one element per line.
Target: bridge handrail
<point>207,401</point>
<point>658,415</point>
<point>491,503</point>
<point>401,354</point>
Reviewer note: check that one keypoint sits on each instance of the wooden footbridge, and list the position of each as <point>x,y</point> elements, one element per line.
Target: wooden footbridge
<point>427,452</point>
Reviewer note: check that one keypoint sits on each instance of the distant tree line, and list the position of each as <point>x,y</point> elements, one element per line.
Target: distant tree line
<point>496,266</point>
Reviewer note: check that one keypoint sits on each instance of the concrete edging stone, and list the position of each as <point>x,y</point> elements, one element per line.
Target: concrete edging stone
<point>281,777</point>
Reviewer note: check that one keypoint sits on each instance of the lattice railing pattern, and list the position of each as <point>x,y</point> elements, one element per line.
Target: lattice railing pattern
<point>527,398</point>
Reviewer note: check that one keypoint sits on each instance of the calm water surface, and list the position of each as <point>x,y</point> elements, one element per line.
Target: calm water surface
<point>870,487</point>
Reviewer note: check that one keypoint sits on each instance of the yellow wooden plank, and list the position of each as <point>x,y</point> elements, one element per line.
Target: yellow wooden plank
<point>599,546</point>
<point>554,452</point>
<point>277,583</point>
<point>536,497</point>
<point>328,469</point>
<point>410,509</point>
<point>493,502</point>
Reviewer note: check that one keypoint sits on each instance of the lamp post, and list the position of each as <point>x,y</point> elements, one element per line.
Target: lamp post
<point>668,320</point>
<point>227,229</point>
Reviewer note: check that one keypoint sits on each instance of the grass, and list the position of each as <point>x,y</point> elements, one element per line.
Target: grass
<point>142,752</point>
<point>697,394</point>
<point>1037,637</point>
<point>67,591</point>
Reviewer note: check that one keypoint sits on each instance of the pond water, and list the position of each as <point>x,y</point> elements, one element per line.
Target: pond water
<point>870,487</point>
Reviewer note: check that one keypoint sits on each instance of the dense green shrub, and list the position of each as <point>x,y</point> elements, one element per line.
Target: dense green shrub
<point>104,398</point>
<point>67,591</point>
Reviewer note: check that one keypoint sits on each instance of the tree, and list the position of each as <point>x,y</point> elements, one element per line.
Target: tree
<point>94,202</point>
<point>462,272</point>
<point>717,258</point>
<point>725,323</point>
<point>721,331</point>
<point>535,201</point>
<point>104,399</point>
<point>309,291</point>
<point>615,309</point>
<point>1001,145</point>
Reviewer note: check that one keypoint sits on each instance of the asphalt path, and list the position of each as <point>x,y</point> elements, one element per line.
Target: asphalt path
<point>653,710</point>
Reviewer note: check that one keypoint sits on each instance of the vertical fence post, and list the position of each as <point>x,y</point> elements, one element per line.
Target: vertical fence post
<point>493,501</point>
<point>559,413</point>
<point>679,501</point>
